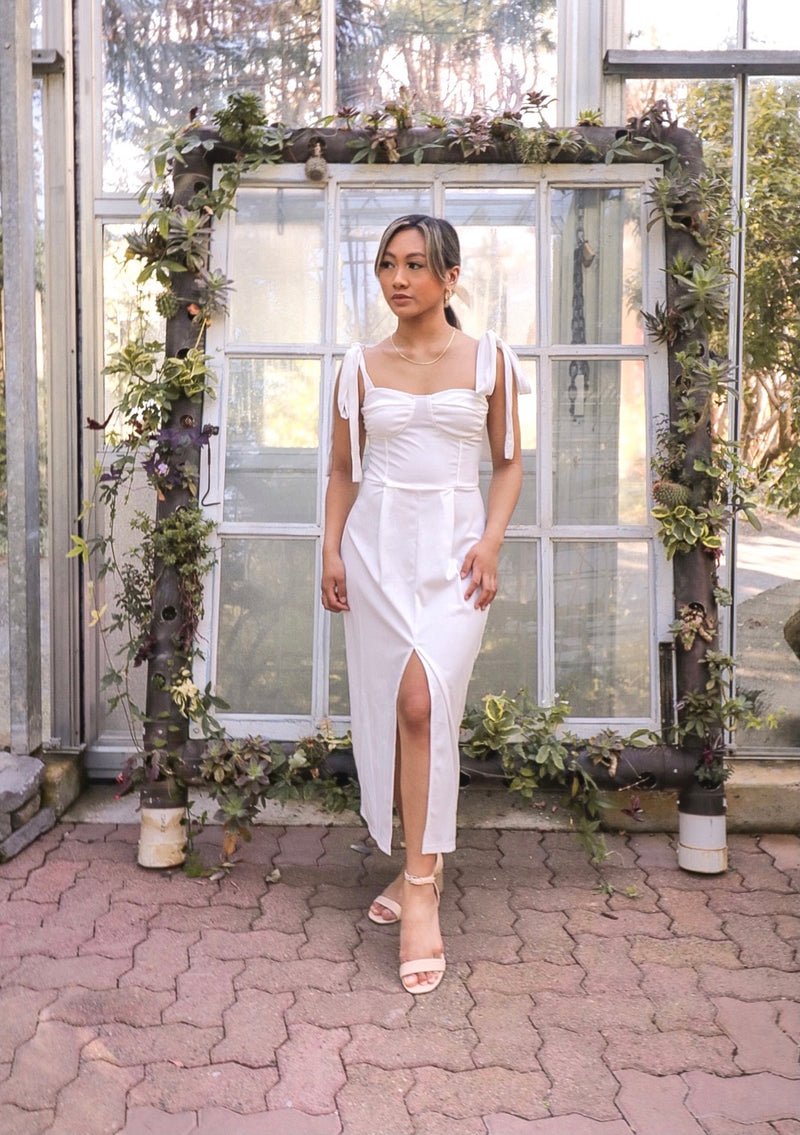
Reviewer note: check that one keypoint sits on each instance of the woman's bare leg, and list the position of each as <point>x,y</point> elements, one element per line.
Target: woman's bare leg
<point>419,932</point>
<point>395,889</point>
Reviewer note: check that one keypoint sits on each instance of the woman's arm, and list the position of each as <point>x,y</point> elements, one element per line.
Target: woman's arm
<point>339,499</point>
<point>504,489</point>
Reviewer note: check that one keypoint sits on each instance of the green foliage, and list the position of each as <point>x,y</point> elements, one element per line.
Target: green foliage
<point>536,751</point>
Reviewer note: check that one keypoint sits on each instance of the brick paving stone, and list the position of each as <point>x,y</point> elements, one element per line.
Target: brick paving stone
<point>677,1000</point>
<point>301,847</point>
<point>337,850</point>
<point>758,942</point>
<point>435,1123</point>
<point>353,898</point>
<point>331,935</point>
<point>758,870</point>
<point>687,952</point>
<point>116,853</point>
<point>789,1019</point>
<point>23,912</point>
<point>173,1089</point>
<point>89,833</point>
<point>131,1006</point>
<point>625,923</point>
<point>607,971</point>
<point>311,1069</point>
<point>94,1102</point>
<point>521,849</point>
<point>505,1034</point>
<point>376,959</point>
<point>37,972</point>
<point>653,1105</point>
<point>659,877</point>
<point>479,1092</point>
<point>600,1012</point>
<point>544,935</point>
<point>552,898</point>
<point>753,902</point>
<point>306,973</point>
<point>360,1007</point>
<point>410,1047</point>
<point>483,946</point>
<point>486,910</point>
<point>285,1121</point>
<point>761,1045</point>
<point>147,886</point>
<point>19,1012</point>
<point>229,945</point>
<point>159,959</point>
<point>119,932</point>
<point>20,1121</point>
<point>373,1100</point>
<point>254,1028</point>
<point>205,991</point>
<point>653,850</point>
<point>31,857</point>
<point>128,1046</point>
<point>666,1054</point>
<point>631,891</point>
<point>46,884</point>
<point>44,1064</point>
<point>580,1079</point>
<point>746,1099</point>
<point>690,914</point>
<point>449,1009</point>
<point>487,839</point>
<point>784,849</point>
<point>284,908</point>
<point>787,928</point>
<point>151,1121</point>
<point>85,901</point>
<point>786,1126</point>
<point>49,940</point>
<point>176,917</point>
<point>526,977</point>
<point>505,1124</point>
<point>752,984</point>
<point>721,1125</point>
<point>243,889</point>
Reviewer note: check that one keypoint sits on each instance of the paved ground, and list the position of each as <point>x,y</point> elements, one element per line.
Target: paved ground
<point>153,1004</point>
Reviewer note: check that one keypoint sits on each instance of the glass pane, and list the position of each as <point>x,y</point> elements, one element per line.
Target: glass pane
<point>276,266</point>
<point>338,690</point>
<point>162,57</point>
<point>683,25</point>
<point>272,441</point>
<point>767,577</point>
<point>365,213</point>
<point>497,286</point>
<point>128,309</point>
<point>526,511</point>
<point>773,25</point>
<point>266,623</point>
<point>509,655</point>
<point>462,56</point>
<point>602,624</point>
<point>597,266</point>
<point>599,442</point>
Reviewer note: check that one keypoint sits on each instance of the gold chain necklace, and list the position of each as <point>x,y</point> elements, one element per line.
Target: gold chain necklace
<point>429,362</point>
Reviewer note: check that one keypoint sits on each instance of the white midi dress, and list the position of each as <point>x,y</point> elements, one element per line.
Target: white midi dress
<point>418,512</point>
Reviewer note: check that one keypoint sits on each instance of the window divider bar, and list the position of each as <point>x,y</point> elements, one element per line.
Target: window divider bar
<point>700,64</point>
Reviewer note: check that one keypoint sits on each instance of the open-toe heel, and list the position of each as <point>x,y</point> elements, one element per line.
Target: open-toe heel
<point>423,965</point>
<point>395,907</point>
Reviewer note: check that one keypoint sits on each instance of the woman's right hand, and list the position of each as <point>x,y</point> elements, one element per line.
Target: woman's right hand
<point>334,586</point>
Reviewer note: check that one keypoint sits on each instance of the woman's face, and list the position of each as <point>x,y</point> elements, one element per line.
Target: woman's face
<point>409,286</point>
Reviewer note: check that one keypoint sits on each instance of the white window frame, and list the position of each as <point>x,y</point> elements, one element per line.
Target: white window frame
<point>543,179</point>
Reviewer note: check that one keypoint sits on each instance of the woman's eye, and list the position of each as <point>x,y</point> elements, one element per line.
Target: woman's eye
<point>385,264</point>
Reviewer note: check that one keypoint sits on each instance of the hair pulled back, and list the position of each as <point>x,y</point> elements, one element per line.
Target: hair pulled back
<point>442,248</point>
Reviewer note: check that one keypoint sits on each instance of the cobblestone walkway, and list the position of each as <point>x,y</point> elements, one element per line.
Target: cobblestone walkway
<point>154,1004</point>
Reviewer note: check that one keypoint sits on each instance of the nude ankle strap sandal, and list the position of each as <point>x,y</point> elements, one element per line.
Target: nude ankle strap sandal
<point>395,907</point>
<point>423,965</point>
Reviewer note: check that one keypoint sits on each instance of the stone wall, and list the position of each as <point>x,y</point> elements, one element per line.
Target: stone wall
<point>34,792</point>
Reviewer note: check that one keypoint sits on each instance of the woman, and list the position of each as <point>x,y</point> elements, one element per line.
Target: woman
<point>410,558</point>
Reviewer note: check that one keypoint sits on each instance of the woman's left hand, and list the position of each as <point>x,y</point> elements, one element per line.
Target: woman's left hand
<point>481,561</point>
